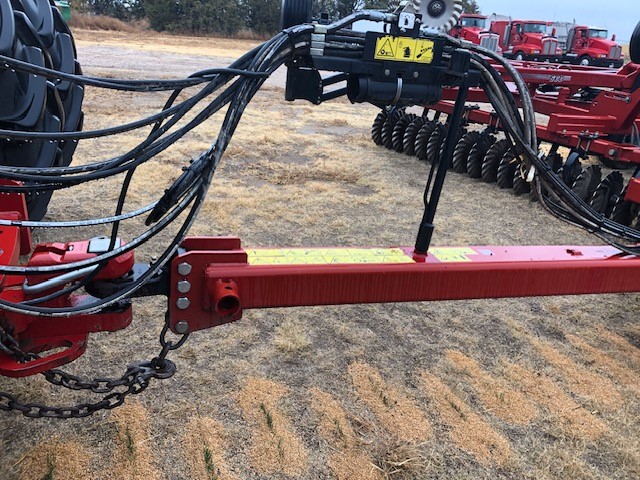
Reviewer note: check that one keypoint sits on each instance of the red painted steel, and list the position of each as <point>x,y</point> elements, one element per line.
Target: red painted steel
<point>489,272</point>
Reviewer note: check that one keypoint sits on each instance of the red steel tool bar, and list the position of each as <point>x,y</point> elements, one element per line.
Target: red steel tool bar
<point>216,278</point>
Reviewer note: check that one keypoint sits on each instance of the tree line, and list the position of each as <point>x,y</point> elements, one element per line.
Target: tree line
<point>225,17</point>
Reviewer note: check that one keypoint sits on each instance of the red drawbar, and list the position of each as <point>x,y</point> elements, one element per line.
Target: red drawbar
<point>263,278</point>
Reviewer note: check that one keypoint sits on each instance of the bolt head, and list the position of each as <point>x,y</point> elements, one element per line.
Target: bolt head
<point>387,72</point>
<point>184,268</point>
<point>182,327</point>
<point>612,152</point>
<point>184,286</point>
<point>416,74</point>
<point>183,303</point>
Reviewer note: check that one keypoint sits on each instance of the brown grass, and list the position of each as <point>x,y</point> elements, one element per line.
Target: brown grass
<point>624,347</point>
<point>467,429</point>
<point>582,379</point>
<point>574,420</point>
<point>102,22</point>
<point>347,460</point>
<point>395,409</point>
<point>133,458</point>
<point>292,337</point>
<point>204,450</point>
<point>56,460</point>
<point>603,362</point>
<point>496,396</point>
<point>275,445</point>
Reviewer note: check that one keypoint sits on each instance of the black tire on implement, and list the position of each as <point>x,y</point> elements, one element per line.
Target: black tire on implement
<point>422,139</point>
<point>434,145</point>
<point>397,138</point>
<point>389,125</point>
<point>477,154</point>
<point>492,160</point>
<point>376,128</point>
<point>507,167</point>
<point>462,150</point>
<point>410,134</point>
<point>34,31</point>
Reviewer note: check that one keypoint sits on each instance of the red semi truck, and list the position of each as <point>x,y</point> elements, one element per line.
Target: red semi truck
<point>527,40</point>
<point>473,28</point>
<point>591,46</point>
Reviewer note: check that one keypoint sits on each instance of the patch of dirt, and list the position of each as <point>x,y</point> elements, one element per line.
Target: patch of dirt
<point>205,450</point>
<point>275,445</point>
<point>397,412</point>
<point>498,398</point>
<point>467,429</point>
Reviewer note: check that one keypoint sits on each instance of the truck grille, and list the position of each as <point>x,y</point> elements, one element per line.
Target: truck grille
<point>615,52</point>
<point>489,41</point>
<point>549,46</point>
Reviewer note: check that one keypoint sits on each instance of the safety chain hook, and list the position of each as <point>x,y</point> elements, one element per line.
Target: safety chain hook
<point>135,380</point>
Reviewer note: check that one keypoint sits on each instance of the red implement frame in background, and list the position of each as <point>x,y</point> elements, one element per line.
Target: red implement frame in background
<point>573,123</point>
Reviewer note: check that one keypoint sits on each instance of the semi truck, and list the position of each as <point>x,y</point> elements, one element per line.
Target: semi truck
<point>527,40</point>
<point>473,28</point>
<point>592,46</point>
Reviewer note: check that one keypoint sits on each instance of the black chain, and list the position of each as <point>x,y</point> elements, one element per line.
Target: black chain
<point>135,380</point>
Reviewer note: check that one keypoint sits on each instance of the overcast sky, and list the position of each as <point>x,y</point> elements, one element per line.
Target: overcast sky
<point>619,16</point>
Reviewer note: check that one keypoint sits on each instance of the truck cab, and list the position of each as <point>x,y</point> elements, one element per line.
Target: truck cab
<point>591,46</point>
<point>473,28</point>
<point>527,40</point>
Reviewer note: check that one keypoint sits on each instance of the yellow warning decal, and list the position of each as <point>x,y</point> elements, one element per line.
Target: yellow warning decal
<point>326,256</point>
<point>451,254</point>
<point>403,49</point>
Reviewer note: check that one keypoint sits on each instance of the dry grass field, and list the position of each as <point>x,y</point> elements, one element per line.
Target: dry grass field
<point>537,388</point>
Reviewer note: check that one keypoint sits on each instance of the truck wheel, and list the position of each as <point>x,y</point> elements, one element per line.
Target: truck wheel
<point>295,12</point>
<point>634,46</point>
<point>519,56</point>
<point>33,31</point>
<point>585,60</point>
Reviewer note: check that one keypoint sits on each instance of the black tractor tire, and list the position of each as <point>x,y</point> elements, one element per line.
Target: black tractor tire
<point>422,139</point>
<point>477,154</point>
<point>492,160</point>
<point>295,12</point>
<point>634,45</point>
<point>34,31</point>
<point>462,150</point>
<point>410,134</point>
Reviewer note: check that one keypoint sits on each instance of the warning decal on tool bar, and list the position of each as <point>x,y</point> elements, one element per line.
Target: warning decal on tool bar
<point>404,49</point>
<point>326,256</point>
<point>451,254</point>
